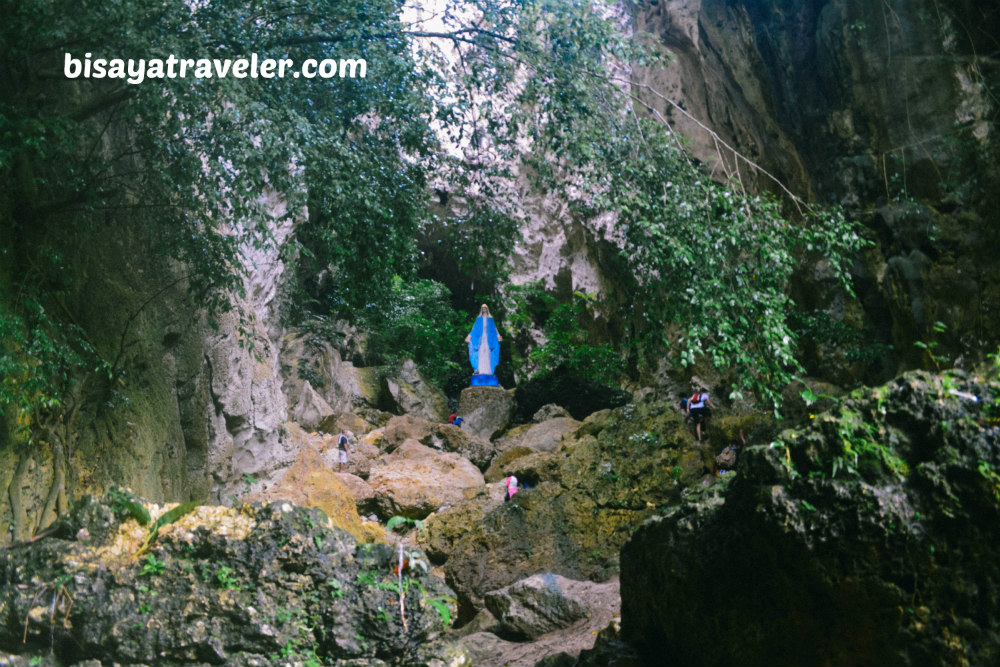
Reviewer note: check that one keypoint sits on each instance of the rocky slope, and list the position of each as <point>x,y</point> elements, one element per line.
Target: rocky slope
<point>889,109</point>
<point>868,537</point>
<point>585,494</point>
<point>257,585</point>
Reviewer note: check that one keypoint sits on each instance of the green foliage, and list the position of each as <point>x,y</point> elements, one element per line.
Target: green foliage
<point>165,519</point>
<point>152,566</point>
<point>124,504</point>
<point>992,478</point>
<point>930,347</point>
<point>225,577</point>
<point>399,520</point>
<point>818,327</point>
<point>713,264</point>
<point>862,451</point>
<point>567,345</point>
<point>182,163</point>
<point>441,604</point>
<point>421,324</point>
<point>40,359</point>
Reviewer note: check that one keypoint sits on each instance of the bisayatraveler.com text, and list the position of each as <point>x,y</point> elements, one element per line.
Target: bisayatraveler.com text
<point>136,71</point>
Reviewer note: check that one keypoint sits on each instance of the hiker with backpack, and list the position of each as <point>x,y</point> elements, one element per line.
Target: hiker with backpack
<point>698,409</point>
<point>727,458</point>
<point>342,443</point>
<point>511,485</point>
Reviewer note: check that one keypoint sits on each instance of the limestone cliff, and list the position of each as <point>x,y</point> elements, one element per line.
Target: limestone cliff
<point>889,109</point>
<point>867,537</point>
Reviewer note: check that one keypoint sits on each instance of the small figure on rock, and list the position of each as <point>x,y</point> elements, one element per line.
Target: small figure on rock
<point>511,484</point>
<point>727,458</point>
<point>484,348</point>
<point>342,443</point>
<point>698,410</point>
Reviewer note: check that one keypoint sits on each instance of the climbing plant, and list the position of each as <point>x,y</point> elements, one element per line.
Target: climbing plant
<point>462,94</point>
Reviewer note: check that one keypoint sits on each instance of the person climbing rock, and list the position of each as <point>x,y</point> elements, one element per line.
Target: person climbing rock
<point>511,484</point>
<point>727,458</point>
<point>342,443</point>
<point>698,410</point>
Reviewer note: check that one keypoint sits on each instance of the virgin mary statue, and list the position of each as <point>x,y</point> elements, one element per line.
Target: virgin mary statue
<point>484,344</point>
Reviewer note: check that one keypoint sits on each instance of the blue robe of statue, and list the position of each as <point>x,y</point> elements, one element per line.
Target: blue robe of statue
<point>484,325</point>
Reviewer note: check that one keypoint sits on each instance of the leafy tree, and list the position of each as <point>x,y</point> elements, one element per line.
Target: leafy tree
<point>421,324</point>
<point>567,347</point>
<point>183,162</point>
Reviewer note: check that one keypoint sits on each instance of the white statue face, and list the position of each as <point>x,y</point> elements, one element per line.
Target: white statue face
<point>484,311</point>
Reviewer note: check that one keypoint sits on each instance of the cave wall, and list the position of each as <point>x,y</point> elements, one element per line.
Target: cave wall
<point>888,109</point>
<point>196,402</point>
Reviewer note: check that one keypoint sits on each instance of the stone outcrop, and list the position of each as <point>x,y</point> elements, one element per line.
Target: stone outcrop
<point>417,480</point>
<point>545,436</point>
<point>218,586</point>
<point>311,410</point>
<point>440,436</point>
<point>867,537</point>
<point>620,467</point>
<point>409,393</point>
<point>311,360</point>
<point>486,411</point>
<point>535,606</point>
<point>565,640</point>
<point>875,106</point>
<point>310,482</point>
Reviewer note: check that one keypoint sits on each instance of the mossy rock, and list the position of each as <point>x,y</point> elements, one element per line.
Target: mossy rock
<point>881,517</point>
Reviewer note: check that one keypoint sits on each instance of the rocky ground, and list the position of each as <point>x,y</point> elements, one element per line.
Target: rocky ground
<point>867,535</point>
<point>532,579</point>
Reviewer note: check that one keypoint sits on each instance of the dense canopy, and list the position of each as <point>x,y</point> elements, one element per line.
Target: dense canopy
<point>487,99</point>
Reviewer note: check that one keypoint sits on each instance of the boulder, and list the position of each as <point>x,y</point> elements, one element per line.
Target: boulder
<point>445,437</point>
<point>409,393</point>
<point>417,480</point>
<point>545,437</point>
<point>550,411</point>
<point>310,482</point>
<point>867,537</point>
<point>476,449</point>
<point>501,463</point>
<point>361,491</point>
<point>310,410</point>
<point>561,646</point>
<point>634,461</point>
<point>486,411</point>
<point>532,470</point>
<point>361,455</point>
<point>534,606</point>
<point>220,586</point>
<point>405,427</point>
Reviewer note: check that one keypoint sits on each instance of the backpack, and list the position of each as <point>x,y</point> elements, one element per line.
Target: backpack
<point>726,460</point>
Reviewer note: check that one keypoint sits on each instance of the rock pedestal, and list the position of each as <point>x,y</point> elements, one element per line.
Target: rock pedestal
<point>486,411</point>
